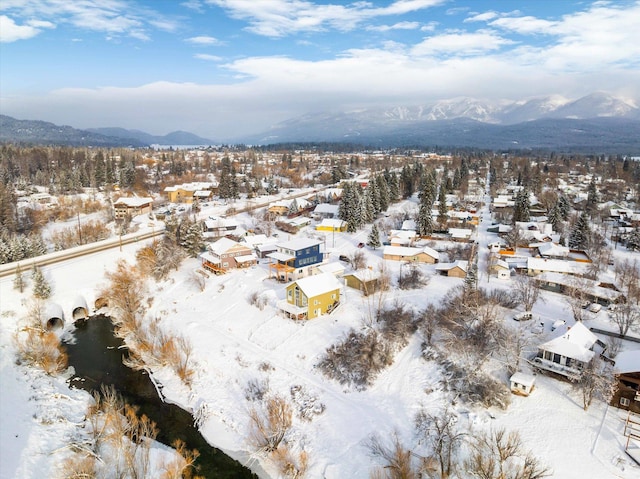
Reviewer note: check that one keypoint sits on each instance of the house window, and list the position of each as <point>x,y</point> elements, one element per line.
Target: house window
<point>625,402</point>
<point>316,302</point>
<point>290,293</point>
<point>225,265</point>
<point>333,296</point>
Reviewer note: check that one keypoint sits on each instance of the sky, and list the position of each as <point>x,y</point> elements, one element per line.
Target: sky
<point>227,68</point>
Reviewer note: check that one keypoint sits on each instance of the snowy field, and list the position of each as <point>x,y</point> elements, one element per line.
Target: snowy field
<point>235,343</point>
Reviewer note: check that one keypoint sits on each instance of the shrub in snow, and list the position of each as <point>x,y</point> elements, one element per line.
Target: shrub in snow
<point>357,359</point>
<point>474,386</point>
<point>397,324</point>
<point>307,403</point>
<point>41,349</point>
<point>412,279</point>
<point>256,389</point>
<point>257,300</point>
<point>270,424</point>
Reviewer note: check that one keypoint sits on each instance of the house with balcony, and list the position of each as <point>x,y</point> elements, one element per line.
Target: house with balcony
<point>569,353</point>
<point>310,297</point>
<point>133,206</point>
<point>294,259</point>
<point>226,254</point>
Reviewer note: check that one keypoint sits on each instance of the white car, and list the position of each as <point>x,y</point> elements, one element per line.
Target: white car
<point>595,307</point>
<point>524,316</point>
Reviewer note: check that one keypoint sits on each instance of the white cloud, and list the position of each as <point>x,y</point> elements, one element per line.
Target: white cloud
<point>279,18</point>
<point>204,40</point>
<point>114,17</point>
<point>10,31</point>
<point>481,17</point>
<point>395,26</point>
<point>207,57</point>
<point>460,44</point>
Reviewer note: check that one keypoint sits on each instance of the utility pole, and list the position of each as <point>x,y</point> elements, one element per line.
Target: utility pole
<point>79,229</point>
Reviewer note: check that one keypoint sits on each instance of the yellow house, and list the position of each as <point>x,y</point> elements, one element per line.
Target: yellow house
<point>408,253</point>
<point>185,192</point>
<point>310,297</point>
<point>330,224</point>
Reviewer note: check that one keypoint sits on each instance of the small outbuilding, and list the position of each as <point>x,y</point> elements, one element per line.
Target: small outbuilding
<point>522,384</point>
<point>365,280</point>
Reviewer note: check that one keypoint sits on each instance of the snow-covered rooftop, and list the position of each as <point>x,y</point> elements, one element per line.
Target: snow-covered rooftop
<point>318,284</point>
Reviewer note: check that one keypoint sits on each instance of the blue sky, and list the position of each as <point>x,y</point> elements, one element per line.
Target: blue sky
<point>224,68</point>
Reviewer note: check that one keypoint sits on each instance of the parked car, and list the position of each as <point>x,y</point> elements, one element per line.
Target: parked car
<point>344,258</point>
<point>360,245</point>
<point>557,324</point>
<point>595,307</point>
<point>524,316</point>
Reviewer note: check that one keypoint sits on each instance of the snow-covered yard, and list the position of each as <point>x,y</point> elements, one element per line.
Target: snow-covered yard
<point>235,342</point>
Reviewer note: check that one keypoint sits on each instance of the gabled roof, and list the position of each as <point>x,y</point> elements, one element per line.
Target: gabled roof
<point>133,202</point>
<point>462,264</point>
<point>575,343</point>
<point>318,284</point>
<point>408,251</point>
<point>299,243</point>
<point>223,245</point>
<point>627,362</point>
<point>365,275</point>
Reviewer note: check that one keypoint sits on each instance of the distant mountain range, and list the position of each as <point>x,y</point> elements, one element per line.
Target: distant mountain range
<point>45,133</point>
<point>595,123</point>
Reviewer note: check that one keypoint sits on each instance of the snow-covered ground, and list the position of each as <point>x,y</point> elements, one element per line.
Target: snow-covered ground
<point>234,342</point>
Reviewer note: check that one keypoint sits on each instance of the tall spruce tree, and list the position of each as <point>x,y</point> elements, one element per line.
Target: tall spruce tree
<point>442,205</point>
<point>579,237</point>
<point>373,240</point>
<point>41,288</point>
<point>521,206</point>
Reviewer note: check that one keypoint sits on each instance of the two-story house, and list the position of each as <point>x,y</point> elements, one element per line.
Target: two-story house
<point>227,254</point>
<point>132,206</point>
<point>310,297</point>
<point>293,259</point>
<point>569,353</point>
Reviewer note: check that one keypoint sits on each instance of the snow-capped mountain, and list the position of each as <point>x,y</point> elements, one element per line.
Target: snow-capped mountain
<point>595,121</point>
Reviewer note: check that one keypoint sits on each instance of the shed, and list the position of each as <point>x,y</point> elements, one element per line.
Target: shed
<point>365,280</point>
<point>522,384</point>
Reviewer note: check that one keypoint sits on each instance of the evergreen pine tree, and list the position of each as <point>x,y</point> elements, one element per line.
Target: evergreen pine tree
<point>374,237</point>
<point>406,181</point>
<point>521,206</point>
<point>394,187</point>
<point>633,242</point>
<point>565,207</point>
<point>41,288</point>
<point>368,213</point>
<point>554,218</point>
<point>579,237</point>
<point>471,279</point>
<point>192,239</point>
<point>592,195</point>
<point>442,205</point>
<point>383,192</point>
<point>18,282</point>
<point>372,194</point>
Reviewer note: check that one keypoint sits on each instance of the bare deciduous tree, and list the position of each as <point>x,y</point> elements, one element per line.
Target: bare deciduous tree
<point>441,433</point>
<point>500,455</point>
<point>527,289</point>
<point>399,461</point>
<point>625,316</point>
<point>596,381</point>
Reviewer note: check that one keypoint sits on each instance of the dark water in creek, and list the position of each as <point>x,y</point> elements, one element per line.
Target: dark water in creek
<point>97,359</point>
